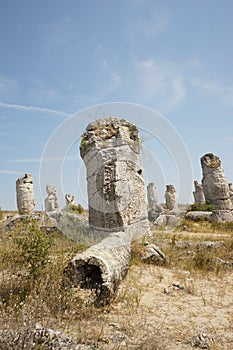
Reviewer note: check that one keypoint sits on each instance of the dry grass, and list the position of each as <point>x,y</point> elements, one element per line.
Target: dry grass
<point>142,316</point>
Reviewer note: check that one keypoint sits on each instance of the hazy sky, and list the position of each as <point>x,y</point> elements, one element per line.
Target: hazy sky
<point>59,57</point>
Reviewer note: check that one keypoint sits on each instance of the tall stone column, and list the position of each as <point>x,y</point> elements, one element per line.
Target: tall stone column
<point>152,196</point>
<point>25,195</point>
<point>51,202</point>
<point>198,194</point>
<point>214,182</point>
<point>171,198</point>
<point>111,151</point>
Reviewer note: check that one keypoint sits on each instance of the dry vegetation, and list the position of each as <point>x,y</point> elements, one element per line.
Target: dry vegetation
<point>156,307</point>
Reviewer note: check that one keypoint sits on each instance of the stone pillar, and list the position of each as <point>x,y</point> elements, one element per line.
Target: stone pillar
<point>171,198</point>
<point>152,196</point>
<point>69,199</point>
<point>154,209</point>
<point>51,202</point>
<point>198,194</point>
<point>214,182</point>
<point>25,195</point>
<point>111,151</point>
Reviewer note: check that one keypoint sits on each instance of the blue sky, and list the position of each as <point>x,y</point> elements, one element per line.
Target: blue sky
<point>60,57</point>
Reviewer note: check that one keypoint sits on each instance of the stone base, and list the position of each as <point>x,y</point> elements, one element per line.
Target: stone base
<point>199,215</point>
<point>222,216</point>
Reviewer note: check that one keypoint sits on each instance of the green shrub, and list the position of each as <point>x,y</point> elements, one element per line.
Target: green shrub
<point>76,208</point>
<point>34,246</point>
<point>202,207</point>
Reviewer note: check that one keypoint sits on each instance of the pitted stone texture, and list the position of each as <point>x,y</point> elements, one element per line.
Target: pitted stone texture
<point>101,267</point>
<point>171,198</point>
<point>222,216</point>
<point>231,192</point>
<point>154,209</point>
<point>152,195</point>
<point>25,194</point>
<point>111,150</point>
<point>198,194</point>
<point>214,182</point>
<point>51,202</point>
<point>69,199</point>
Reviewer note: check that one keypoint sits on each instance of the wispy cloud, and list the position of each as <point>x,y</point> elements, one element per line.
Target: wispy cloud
<point>68,158</point>
<point>159,83</point>
<point>10,172</point>
<point>32,109</point>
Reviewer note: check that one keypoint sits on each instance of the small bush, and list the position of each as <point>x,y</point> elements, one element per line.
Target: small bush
<point>76,208</point>
<point>34,246</point>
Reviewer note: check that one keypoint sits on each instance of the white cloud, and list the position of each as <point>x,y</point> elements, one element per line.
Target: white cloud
<point>10,172</point>
<point>32,108</point>
<point>159,84</point>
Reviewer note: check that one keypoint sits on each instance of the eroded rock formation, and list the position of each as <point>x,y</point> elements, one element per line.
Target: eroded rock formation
<point>171,198</point>
<point>111,150</point>
<point>214,182</point>
<point>51,202</point>
<point>101,267</point>
<point>154,209</point>
<point>25,195</point>
<point>198,194</point>
<point>69,199</point>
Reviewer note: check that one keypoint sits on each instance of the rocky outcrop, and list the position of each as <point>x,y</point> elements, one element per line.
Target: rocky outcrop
<point>69,199</point>
<point>38,337</point>
<point>199,197</point>
<point>101,267</point>
<point>171,198</point>
<point>111,150</point>
<point>214,182</point>
<point>199,215</point>
<point>51,202</point>
<point>25,195</point>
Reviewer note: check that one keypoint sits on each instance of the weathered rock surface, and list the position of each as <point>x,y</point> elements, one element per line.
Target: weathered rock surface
<point>154,209</point>
<point>214,182</point>
<point>222,216</point>
<point>51,202</point>
<point>69,199</point>
<point>231,192</point>
<point>171,198</point>
<point>111,150</point>
<point>38,337</point>
<point>199,215</point>
<point>101,267</point>
<point>25,194</point>
<point>198,194</point>
<point>152,254</point>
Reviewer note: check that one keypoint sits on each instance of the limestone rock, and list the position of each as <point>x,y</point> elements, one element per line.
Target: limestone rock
<point>38,336</point>
<point>198,194</point>
<point>101,267</point>
<point>154,209</point>
<point>51,202</point>
<point>214,182</point>
<point>199,215</point>
<point>152,254</point>
<point>202,341</point>
<point>171,198</point>
<point>69,199</point>
<point>222,216</point>
<point>152,195</point>
<point>25,194</point>
<point>231,192</point>
<point>111,150</point>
